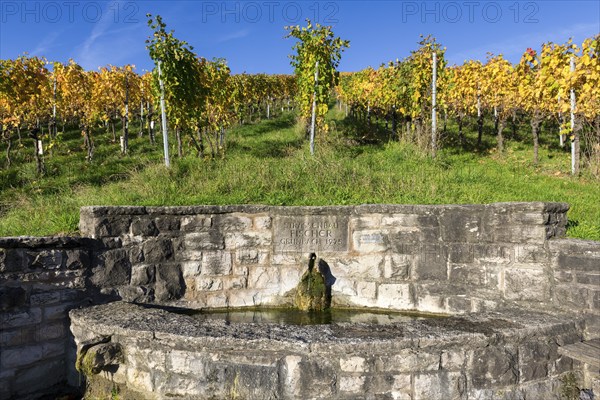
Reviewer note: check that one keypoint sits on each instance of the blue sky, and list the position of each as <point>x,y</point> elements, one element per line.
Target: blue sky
<point>250,34</point>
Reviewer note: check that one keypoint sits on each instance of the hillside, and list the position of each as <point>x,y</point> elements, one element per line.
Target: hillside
<point>269,163</point>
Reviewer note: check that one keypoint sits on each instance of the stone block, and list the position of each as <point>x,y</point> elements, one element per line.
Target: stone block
<point>563,276</point>
<point>263,277</point>
<point>20,356</point>
<point>216,263</point>
<point>115,269</point>
<point>211,240</point>
<point>136,294</point>
<point>459,304</point>
<point>110,226</point>
<point>318,379</point>
<point>366,290</point>
<point>431,303</point>
<point>493,254</point>
<point>353,364</point>
<point>461,253</point>
<point>460,225</point>
<point>370,241</point>
<point>17,336</point>
<point>290,277</point>
<point>365,221</point>
<point>398,267</point>
<point>588,279</point>
<point>247,256</point>
<point>191,268</point>
<point>531,254</point>
<point>262,222</point>
<point>310,233</point>
<point>142,274</point>
<point>180,386</point>
<point>353,384</point>
<point>431,263</point>
<point>209,284</point>
<point>401,387</point>
<point>238,240</point>
<point>401,220</point>
<point>12,298</point>
<point>217,300</point>
<point>232,222</point>
<point>186,363</point>
<point>534,360</point>
<point>453,359</point>
<point>21,318</point>
<point>147,359</point>
<point>141,380</point>
<point>143,226</point>
<point>467,274</point>
<point>409,361</point>
<point>38,377</point>
<point>289,259</point>
<point>236,283</point>
<point>51,331</point>
<point>520,234</point>
<point>346,287</point>
<point>578,263</point>
<point>169,282</point>
<point>494,366</point>
<point>395,296</point>
<point>526,284</point>
<point>365,267</point>
<point>57,312</point>
<point>157,250</point>
<point>54,349</point>
<point>77,259</point>
<point>290,370</point>
<point>440,385</point>
<point>45,259</point>
<point>12,260</point>
<point>573,297</point>
<point>194,223</point>
<point>167,224</point>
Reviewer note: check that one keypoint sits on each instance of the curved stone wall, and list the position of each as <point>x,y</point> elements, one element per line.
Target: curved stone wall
<point>443,259</point>
<point>449,259</point>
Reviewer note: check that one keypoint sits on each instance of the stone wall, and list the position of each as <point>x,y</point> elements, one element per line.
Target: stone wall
<point>41,279</point>
<point>448,259</point>
<point>451,259</point>
<point>508,355</point>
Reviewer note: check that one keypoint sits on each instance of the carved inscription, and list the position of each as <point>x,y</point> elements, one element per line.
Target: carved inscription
<point>302,234</point>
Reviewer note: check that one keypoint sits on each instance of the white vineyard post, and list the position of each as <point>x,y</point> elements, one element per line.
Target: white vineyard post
<point>314,111</point>
<point>433,106</point>
<point>560,123</point>
<point>53,133</point>
<point>574,136</point>
<point>164,118</point>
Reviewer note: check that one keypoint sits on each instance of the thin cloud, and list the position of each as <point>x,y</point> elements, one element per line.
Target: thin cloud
<point>513,47</point>
<point>107,45</point>
<point>41,49</point>
<point>234,35</point>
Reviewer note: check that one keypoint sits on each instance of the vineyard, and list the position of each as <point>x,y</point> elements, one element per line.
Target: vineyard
<point>70,136</point>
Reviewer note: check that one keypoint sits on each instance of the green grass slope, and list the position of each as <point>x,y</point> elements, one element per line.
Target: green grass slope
<point>269,163</point>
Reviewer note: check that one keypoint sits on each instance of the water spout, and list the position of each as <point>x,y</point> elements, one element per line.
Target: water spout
<point>313,293</point>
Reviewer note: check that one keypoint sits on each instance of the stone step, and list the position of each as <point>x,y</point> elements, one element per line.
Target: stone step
<point>587,352</point>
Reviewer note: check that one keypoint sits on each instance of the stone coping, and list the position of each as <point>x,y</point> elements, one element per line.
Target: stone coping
<point>293,210</point>
<point>46,242</point>
<point>151,323</point>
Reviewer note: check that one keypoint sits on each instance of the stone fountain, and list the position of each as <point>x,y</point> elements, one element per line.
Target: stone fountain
<point>488,295</point>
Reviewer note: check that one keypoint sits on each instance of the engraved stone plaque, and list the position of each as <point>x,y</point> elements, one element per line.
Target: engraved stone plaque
<point>311,233</point>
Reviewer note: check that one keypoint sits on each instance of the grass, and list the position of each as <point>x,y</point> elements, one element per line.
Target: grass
<point>269,163</point>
